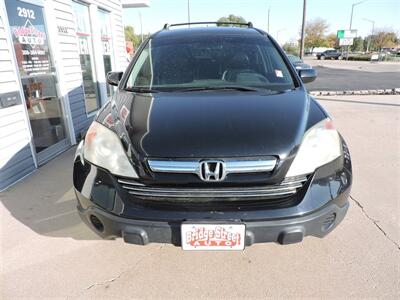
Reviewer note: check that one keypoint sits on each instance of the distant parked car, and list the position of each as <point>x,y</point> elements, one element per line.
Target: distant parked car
<point>329,54</point>
<point>387,50</point>
<point>317,50</point>
<point>298,63</point>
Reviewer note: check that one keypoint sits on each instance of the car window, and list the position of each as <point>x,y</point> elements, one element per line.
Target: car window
<point>294,59</point>
<point>210,61</point>
<point>141,74</point>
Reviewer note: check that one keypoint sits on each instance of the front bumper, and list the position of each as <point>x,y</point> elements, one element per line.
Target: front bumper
<point>285,231</point>
<point>319,207</point>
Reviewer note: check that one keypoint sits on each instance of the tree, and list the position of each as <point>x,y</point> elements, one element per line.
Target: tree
<point>315,33</point>
<point>131,36</point>
<point>233,19</point>
<point>291,48</point>
<point>358,44</point>
<point>332,40</point>
<point>368,40</point>
<point>384,38</point>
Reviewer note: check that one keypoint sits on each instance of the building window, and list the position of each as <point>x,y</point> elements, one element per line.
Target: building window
<point>83,32</point>
<point>105,34</point>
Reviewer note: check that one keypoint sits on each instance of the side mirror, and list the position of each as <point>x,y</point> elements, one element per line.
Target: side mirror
<point>308,75</point>
<point>113,78</point>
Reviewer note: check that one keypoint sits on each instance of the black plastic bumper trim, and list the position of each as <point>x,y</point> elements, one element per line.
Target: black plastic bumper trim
<point>284,231</point>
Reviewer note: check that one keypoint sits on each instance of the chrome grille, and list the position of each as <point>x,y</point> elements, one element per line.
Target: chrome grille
<point>228,166</point>
<point>286,188</point>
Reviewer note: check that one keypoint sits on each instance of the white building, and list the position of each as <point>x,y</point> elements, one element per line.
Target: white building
<point>54,56</point>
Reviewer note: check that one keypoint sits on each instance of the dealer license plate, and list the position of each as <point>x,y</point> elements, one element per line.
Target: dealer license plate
<point>213,236</point>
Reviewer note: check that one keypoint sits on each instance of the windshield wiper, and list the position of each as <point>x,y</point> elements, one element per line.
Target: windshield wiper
<point>216,88</point>
<point>138,89</point>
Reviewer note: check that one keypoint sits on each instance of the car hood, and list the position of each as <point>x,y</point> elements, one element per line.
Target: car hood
<point>215,124</point>
<point>301,66</point>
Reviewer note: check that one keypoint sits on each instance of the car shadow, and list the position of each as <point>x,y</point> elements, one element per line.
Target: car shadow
<point>45,201</point>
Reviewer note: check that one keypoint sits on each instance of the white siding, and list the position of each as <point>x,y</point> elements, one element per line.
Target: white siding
<point>16,158</point>
<point>8,78</point>
<point>70,70</point>
<point>115,7</point>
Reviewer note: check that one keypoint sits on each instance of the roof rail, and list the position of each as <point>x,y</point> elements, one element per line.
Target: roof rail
<point>249,24</point>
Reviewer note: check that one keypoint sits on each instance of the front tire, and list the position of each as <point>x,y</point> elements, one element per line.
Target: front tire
<point>322,57</point>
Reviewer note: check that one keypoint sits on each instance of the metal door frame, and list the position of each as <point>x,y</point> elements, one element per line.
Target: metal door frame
<point>50,152</point>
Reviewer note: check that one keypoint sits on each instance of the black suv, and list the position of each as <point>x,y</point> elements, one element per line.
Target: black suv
<point>329,54</point>
<point>212,142</point>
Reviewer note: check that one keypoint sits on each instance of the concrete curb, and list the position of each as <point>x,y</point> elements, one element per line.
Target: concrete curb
<point>394,91</point>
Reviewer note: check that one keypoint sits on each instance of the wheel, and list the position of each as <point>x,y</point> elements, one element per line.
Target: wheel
<point>322,57</point>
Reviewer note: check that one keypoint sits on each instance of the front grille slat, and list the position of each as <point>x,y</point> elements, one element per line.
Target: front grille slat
<point>214,191</point>
<point>130,182</point>
<point>287,188</point>
<point>189,195</point>
<point>298,182</point>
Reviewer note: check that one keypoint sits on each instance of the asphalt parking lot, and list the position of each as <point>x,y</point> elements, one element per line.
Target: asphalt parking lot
<point>47,252</point>
<point>334,75</point>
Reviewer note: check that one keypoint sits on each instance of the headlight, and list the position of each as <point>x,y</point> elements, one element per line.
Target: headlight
<point>320,145</point>
<point>104,149</point>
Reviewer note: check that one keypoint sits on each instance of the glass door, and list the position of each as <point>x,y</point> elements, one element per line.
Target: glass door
<point>106,40</point>
<point>84,34</point>
<point>38,78</point>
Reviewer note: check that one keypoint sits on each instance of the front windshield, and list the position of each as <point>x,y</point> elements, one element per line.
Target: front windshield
<point>219,61</point>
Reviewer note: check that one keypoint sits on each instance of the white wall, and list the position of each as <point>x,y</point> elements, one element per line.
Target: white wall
<point>16,158</point>
<point>69,66</point>
<point>16,149</point>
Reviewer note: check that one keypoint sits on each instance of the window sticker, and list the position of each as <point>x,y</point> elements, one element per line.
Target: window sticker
<point>29,37</point>
<point>278,73</point>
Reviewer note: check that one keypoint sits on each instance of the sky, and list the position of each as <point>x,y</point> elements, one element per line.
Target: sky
<point>285,15</point>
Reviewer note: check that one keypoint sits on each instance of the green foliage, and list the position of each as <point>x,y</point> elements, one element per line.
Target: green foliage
<point>291,48</point>
<point>358,44</point>
<point>360,57</point>
<point>131,36</point>
<point>367,40</point>
<point>233,19</point>
<point>392,58</point>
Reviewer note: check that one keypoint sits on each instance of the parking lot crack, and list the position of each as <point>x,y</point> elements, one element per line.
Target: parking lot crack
<point>113,279</point>
<point>106,281</point>
<point>375,222</point>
